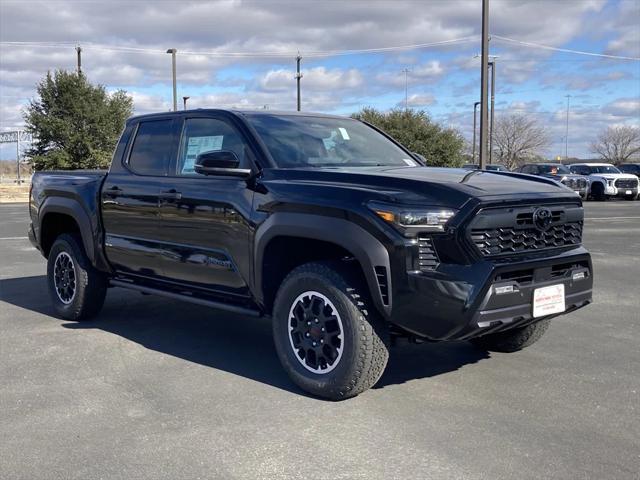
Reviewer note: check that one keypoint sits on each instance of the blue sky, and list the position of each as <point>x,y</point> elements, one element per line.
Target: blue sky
<point>443,80</point>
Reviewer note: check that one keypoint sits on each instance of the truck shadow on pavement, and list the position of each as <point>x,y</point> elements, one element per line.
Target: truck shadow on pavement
<point>230,342</point>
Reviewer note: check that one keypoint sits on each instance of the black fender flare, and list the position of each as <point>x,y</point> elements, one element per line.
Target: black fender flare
<point>365,248</point>
<point>72,208</point>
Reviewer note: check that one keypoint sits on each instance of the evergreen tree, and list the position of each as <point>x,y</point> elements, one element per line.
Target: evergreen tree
<point>75,124</point>
<point>442,147</point>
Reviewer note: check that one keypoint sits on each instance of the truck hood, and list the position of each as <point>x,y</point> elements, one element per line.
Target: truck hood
<point>423,184</point>
<point>560,176</point>
<point>614,176</point>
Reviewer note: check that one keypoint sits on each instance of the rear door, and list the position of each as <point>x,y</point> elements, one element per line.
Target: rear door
<point>206,225</point>
<point>131,195</point>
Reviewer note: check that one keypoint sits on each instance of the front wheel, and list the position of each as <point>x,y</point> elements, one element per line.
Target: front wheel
<point>327,340</point>
<point>77,290</point>
<point>512,340</point>
<point>597,192</point>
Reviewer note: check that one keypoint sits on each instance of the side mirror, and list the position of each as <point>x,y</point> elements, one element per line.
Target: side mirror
<point>419,157</point>
<point>220,162</point>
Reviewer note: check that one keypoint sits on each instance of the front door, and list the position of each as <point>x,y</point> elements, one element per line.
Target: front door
<point>206,223</point>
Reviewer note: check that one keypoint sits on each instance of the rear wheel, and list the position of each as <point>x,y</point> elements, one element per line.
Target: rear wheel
<point>512,340</point>
<point>328,341</point>
<point>597,192</point>
<point>77,290</point>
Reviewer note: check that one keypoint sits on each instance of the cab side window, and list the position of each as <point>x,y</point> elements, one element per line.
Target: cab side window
<point>201,135</point>
<point>152,148</point>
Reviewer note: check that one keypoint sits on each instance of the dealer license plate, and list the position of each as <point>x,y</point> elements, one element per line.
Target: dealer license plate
<point>548,300</point>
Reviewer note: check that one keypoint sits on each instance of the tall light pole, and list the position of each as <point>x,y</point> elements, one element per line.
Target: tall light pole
<point>475,108</point>
<point>484,111</point>
<point>184,102</point>
<point>566,137</point>
<point>493,99</point>
<point>79,58</point>
<point>298,77</point>
<point>173,52</point>
<point>406,89</point>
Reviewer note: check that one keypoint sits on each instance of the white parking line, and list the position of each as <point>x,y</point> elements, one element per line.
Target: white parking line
<point>611,218</point>
<point>14,238</point>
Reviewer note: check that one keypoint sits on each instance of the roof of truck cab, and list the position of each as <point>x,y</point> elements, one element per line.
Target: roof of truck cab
<point>591,165</point>
<point>271,113</point>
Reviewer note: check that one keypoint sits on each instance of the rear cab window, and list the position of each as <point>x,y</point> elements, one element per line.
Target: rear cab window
<point>153,147</point>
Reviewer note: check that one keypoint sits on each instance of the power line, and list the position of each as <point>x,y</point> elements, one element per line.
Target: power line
<point>326,53</point>
<point>564,50</point>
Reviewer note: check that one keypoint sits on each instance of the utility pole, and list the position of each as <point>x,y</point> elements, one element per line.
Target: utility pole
<point>19,180</point>
<point>79,55</point>
<point>184,102</point>
<point>173,52</point>
<point>493,98</point>
<point>406,89</point>
<point>484,112</point>
<point>566,137</point>
<point>298,77</point>
<point>475,108</point>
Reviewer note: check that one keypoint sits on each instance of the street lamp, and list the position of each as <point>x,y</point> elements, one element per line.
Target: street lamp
<point>566,137</point>
<point>298,77</point>
<point>173,52</point>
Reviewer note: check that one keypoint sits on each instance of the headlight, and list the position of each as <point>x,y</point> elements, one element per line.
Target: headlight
<point>610,183</point>
<point>432,219</point>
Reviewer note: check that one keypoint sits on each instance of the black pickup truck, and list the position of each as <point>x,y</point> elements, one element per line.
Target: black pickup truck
<point>324,225</point>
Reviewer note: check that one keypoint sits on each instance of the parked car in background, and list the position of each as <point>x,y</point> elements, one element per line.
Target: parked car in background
<point>493,167</point>
<point>559,173</point>
<point>632,168</point>
<point>606,181</point>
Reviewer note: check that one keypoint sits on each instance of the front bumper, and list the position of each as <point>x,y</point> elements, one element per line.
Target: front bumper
<point>621,192</point>
<point>458,302</point>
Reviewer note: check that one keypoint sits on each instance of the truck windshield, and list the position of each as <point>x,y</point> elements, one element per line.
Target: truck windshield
<point>554,169</point>
<point>604,169</point>
<point>297,141</point>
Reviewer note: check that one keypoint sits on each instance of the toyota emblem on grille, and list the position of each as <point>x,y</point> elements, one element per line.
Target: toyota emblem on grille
<point>542,218</point>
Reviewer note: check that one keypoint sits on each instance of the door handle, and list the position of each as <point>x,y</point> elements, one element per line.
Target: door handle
<point>113,192</point>
<point>172,194</point>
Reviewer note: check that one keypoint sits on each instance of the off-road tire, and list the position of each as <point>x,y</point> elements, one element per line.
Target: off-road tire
<point>90,284</point>
<point>512,340</point>
<point>365,348</point>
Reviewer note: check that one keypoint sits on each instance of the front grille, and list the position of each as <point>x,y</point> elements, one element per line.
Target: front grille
<point>626,183</point>
<point>508,231</point>
<point>427,257</point>
<point>509,240</point>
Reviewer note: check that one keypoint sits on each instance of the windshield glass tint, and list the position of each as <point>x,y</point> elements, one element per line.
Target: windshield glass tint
<point>604,169</point>
<point>554,169</point>
<point>296,141</point>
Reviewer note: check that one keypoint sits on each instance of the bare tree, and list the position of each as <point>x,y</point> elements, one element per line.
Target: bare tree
<point>517,138</point>
<point>617,144</point>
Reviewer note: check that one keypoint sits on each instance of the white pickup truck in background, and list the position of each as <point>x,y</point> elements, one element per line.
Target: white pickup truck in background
<point>607,181</point>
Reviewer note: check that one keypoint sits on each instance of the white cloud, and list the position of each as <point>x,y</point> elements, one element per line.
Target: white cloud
<point>624,107</point>
<point>315,79</point>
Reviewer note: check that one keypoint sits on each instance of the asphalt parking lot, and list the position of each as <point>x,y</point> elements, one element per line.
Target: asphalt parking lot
<point>159,389</point>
